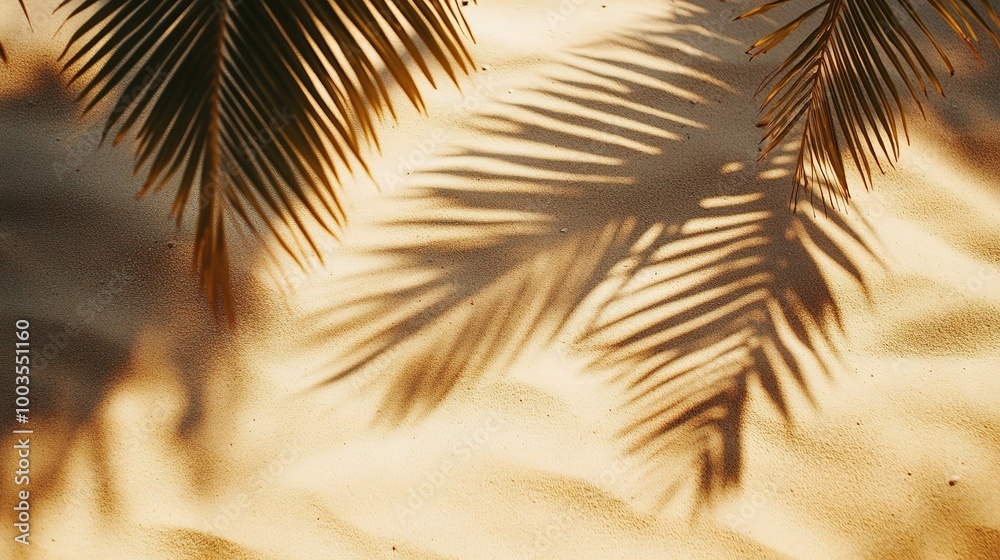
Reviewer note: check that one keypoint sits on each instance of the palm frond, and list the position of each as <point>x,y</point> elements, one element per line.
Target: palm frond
<point>839,89</point>
<point>3,51</point>
<point>252,104</point>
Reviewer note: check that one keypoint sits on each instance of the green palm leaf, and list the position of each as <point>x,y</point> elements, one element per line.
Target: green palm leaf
<point>252,104</point>
<point>3,51</point>
<point>839,88</point>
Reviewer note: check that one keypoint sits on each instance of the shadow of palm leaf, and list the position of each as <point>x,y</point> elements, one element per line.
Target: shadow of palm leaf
<point>91,276</point>
<point>498,291</point>
<point>618,214</point>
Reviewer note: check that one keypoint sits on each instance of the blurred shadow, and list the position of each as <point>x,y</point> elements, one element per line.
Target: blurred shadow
<point>90,268</point>
<point>622,208</point>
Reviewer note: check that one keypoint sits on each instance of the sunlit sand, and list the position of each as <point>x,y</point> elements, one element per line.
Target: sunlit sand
<point>571,316</point>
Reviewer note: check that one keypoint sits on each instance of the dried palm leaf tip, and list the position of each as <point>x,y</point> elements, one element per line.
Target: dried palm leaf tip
<point>840,87</point>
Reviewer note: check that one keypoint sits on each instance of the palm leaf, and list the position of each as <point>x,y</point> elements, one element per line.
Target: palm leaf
<point>839,89</point>
<point>253,104</point>
<point>3,51</point>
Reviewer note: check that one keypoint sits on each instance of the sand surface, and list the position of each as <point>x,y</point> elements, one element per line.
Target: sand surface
<point>577,321</point>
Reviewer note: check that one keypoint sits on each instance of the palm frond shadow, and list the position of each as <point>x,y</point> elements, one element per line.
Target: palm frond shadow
<point>91,275</point>
<point>615,213</point>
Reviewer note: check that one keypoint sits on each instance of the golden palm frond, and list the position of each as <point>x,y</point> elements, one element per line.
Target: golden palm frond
<point>3,51</point>
<point>253,103</point>
<point>841,83</point>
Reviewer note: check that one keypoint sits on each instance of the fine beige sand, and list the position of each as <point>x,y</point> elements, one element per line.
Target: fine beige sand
<point>577,320</point>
